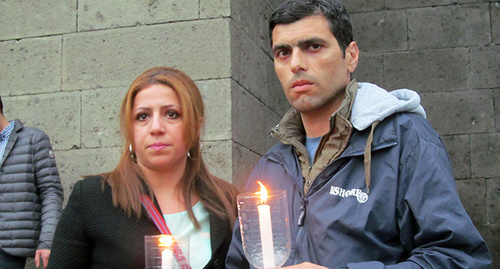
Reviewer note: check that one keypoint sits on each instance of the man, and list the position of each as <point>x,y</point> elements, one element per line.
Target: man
<point>31,194</point>
<point>369,183</point>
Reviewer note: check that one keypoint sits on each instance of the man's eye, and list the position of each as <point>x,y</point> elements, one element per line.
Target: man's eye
<point>281,53</point>
<point>172,114</point>
<point>315,46</point>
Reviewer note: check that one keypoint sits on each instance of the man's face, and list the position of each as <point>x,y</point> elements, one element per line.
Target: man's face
<point>310,64</point>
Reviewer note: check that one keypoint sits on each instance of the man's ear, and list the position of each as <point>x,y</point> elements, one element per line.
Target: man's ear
<point>352,56</point>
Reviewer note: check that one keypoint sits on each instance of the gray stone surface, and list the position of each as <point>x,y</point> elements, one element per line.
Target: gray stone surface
<point>244,14</point>
<point>246,108</point>
<point>495,22</point>
<point>253,69</point>
<point>399,4</point>
<point>485,155</point>
<point>115,57</point>
<point>36,18</point>
<point>215,8</point>
<point>493,199</point>
<point>458,148</point>
<point>75,164</point>
<point>449,26</point>
<point>57,114</point>
<point>218,158</point>
<point>485,67</point>
<point>427,70</point>
<point>473,196</point>
<point>217,99</point>
<point>460,112</point>
<point>370,68</point>
<point>101,117</point>
<point>98,14</point>
<point>381,31</point>
<point>30,66</point>
<point>363,6</point>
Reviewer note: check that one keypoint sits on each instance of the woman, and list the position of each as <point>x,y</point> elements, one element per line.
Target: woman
<point>104,223</point>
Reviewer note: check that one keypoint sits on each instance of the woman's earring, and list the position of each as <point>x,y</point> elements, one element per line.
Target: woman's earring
<point>132,154</point>
<point>189,155</point>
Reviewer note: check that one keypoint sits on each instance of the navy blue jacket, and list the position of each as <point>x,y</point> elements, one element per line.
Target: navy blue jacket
<point>411,218</point>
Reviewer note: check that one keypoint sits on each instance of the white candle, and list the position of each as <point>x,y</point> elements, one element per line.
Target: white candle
<point>266,229</point>
<point>167,259</point>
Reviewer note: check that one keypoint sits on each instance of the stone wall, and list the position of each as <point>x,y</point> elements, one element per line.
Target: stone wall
<point>449,52</point>
<point>66,65</point>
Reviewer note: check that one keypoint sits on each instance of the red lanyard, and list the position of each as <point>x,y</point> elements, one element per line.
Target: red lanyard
<point>162,226</point>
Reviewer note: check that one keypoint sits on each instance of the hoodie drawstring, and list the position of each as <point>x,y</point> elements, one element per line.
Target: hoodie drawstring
<point>368,156</point>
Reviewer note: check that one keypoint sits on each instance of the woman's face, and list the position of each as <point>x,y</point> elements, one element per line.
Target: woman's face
<point>158,130</point>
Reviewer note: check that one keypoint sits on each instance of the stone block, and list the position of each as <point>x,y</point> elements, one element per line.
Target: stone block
<point>244,161</point>
<point>19,19</point>
<point>493,200</point>
<point>490,233</point>
<point>484,67</point>
<point>253,69</point>
<point>97,14</point>
<point>252,121</point>
<point>460,112</point>
<point>30,66</point>
<point>472,194</point>
<point>215,8</point>
<point>218,158</point>
<point>427,70</point>
<point>75,164</point>
<point>217,99</point>
<point>370,69</point>
<point>497,108</point>
<point>252,17</point>
<point>400,4</point>
<point>101,117</point>
<point>458,147</point>
<point>485,155</point>
<point>113,58</point>
<point>274,3</point>
<point>363,6</point>
<point>495,22</point>
<point>450,26</point>
<point>380,31</point>
<point>61,122</point>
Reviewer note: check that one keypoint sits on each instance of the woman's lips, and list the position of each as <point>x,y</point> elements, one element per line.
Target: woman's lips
<point>157,146</point>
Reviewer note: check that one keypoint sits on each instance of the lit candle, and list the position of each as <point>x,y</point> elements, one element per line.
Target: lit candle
<point>266,229</point>
<point>167,256</point>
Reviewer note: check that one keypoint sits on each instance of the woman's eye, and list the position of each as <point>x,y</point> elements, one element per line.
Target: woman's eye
<point>141,116</point>
<point>172,114</point>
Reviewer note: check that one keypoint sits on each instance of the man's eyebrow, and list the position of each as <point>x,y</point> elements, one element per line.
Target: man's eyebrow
<point>300,44</point>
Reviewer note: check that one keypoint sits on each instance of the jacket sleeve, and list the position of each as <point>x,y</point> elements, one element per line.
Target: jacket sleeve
<point>48,186</point>
<point>71,247</point>
<point>435,229</point>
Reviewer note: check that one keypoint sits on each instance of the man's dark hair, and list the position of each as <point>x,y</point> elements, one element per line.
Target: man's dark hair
<point>336,13</point>
<point>1,105</point>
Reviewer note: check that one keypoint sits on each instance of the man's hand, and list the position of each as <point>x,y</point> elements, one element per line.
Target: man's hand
<point>44,254</point>
<point>305,265</point>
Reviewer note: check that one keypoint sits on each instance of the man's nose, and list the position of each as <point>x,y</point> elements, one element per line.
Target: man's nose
<point>298,61</point>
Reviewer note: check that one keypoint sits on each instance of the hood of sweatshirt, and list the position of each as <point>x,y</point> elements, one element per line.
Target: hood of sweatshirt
<point>373,104</point>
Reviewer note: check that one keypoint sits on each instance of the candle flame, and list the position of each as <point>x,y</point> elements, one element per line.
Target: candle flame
<point>263,193</point>
<point>166,241</point>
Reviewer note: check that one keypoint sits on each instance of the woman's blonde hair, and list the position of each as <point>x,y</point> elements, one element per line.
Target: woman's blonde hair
<point>126,181</point>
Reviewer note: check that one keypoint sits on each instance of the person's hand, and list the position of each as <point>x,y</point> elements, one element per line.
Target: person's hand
<point>305,265</point>
<point>44,255</point>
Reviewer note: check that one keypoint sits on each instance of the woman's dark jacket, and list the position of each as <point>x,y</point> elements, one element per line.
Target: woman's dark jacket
<point>93,233</point>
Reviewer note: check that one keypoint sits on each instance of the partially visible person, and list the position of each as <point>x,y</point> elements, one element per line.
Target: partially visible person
<point>368,180</point>
<point>31,194</point>
<point>104,222</point>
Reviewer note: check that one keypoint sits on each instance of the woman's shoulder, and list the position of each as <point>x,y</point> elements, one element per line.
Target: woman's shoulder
<point>90,184</point>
